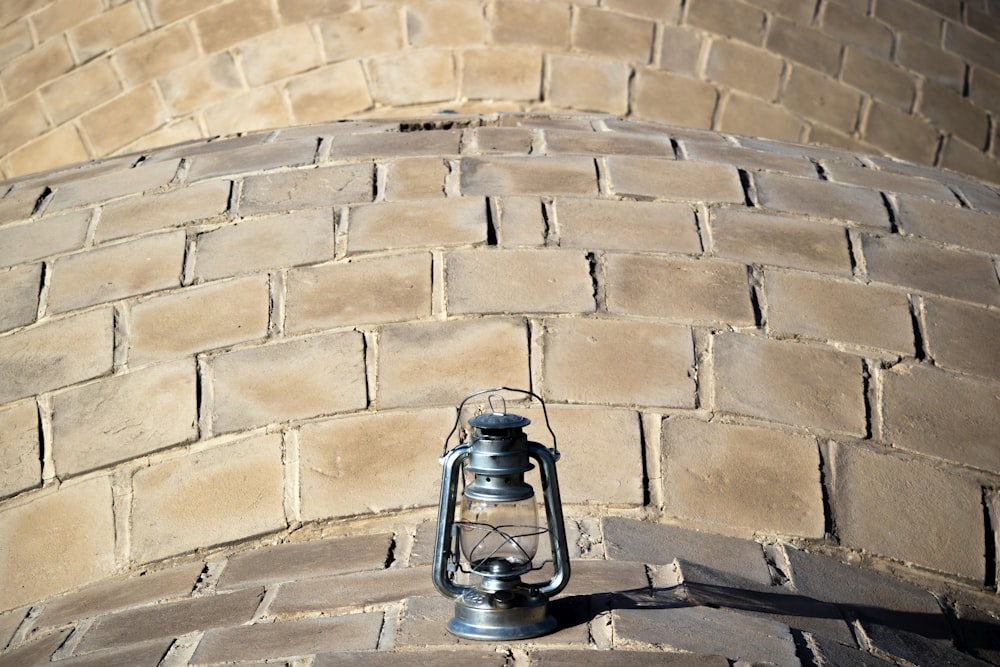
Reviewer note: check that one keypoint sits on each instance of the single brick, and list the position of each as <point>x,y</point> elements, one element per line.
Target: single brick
<point>336,91</point>
<point>749,158</point>
<point>855,29</point>
<point>671,98</point>
<point>19,289</point>
<point>513,281</point>
<point>961,156</point>
<point>823,199</point>
<point>522,222</point>
<point>241,159</point>
<point>971,46</point>
<point>357,34</point>
<point>436,362</point>
<point>984,89</point>
<point>910,20</point>
<point>627,363</point>
<point>367,291</point>
<point>674,179</point>
<point>117,26</point>
<point>140,412</point>
<point>22,121</point>
<point>62,15</point>
<point>200,83</point>
<point>879,78</point>
<point>501,74</point>
<point>113,183</point>
<point>161,211</point>
<point>873,495</point>
<point>743,114</point>
<point>415,77</point>
<point>36,652</point>
<point>613,35</point>
<point>680,51</point>
<point>444,23</point>
<point>9,623</point>
<point>817,97</point>
<point>737,65</point>
<point>788,382</point>
<point>607,83</point>
<point>415,178</point>
<point>586,142</point>
<point>888,181</point>
<point>746,478</point>
<point>19,201</point>
<point>950,224</point>
<point>900,134</point>
<point>926,268</point>
<point>76,547</point>
<point>528,175</point>
<point>123,119</point>
<point>685,290</point>
<point>222,26</point>
<point>626,225</point>
<point>33,240</point>
<point>293,379</point>
<point>156,54</point>
<point>198,318</point>
<point>309,188</point>
<point>738,20</point>
<point>931,61</point>
<point>961,337</point>
<point>36,68</point>
<point>955,113</point>
<point>258,109</point>
<point>278,54</point>
<point>802,304</point>
<point>336,475</point>
<point>943,415</point>
<point>20,450</point>
<point>15,39</point>
<point>352,590</point>
<point>414,224</point>
<point>525,22</point>
<point>38,359</point>
<point>53,149</point>
<point>391,143</point>
<point>273,241</point>
<point>61,97</point>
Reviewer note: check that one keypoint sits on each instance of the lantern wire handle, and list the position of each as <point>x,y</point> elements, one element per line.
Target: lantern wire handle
<point>545,412</point>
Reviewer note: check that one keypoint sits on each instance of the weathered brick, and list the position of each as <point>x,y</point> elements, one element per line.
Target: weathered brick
<point>76,546</point>
<point>955,113</point>
<point>879,78</point>
<point>613,35</point>
<point>668,10</point>
<point>942,222</point>
<point>337,478</point>
<point>444,657</point>
<point>20,450</point>
<point>984,88</point>
<point>9,622</point>
<point>965,158</point>
<point>444,23</point>
<point>674,179</point>
<point>36,652</point>
<point>198,318</point>
<point>818,97</point>
<point>910,21</point>
<point>804,385</point>
<point>526,22</point>
<point>803,44</point>
<point>20,122</point>
<point>560,141</point>
<point>962,337</point>
<point>926,268</point>
<point>19,288</point>
<point>105,31</point>
<point>123,119</point>
<point>53,149</point>
<point>871,491</point>
<point>737,20</point>
<point>971,46</point>
<point>856,29</point>
<point>372,31</point>
<point>293,379</point>
<point>200,83</point>
<point>822,199</point>
<point>259,109</point>
<point>351,590</point>
<point>422,223</point>
<point>62,15</point>
<point>156,54</point>
<point>743,114</point>
<point>436,362</point>
<point>899,134</point>
<point>937,65</point>
<point>626,225</point>
<point>278,54</point>
<point>252,158</point>
<point>801,304</point>
<point>15,39</point>
<point>528,175</point>
<point>521,222</point>
<point>37,67</point>
<point>507,74</point>
<point>686,290</point>
<point>415,178</point>
<point>336,91</point>
<point>366,291</point>
<point>415,77</point>
<point>265,243</point>
<point>160,211</point>
<point>888,181</point>
<point>513,281</point>
<point>670,98</point>
<point>680,51</point>
<point>396,144</point>
<point>607,83</point>
<point>144,265</point>
<point>749,159</point>
<point>222,26</point>
<point>620,657</point>
<point>736,65</point>
<point>55,354</point>
<point>62,98</point>
<point>628,363</point>
<point>311,188</point>
<point>171,620</point>
<point>108,185</point>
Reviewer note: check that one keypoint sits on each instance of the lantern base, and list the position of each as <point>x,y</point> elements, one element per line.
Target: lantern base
<point>518,613</point>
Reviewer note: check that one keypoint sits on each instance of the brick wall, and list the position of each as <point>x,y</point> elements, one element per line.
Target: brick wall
<point>914,79</point>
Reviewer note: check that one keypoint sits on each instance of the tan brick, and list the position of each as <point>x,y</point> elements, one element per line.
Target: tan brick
<point>20,122</point>
<point>198,318</point>
<point>54,149</point>
<point>303,10</point>
<point>910,20</point>
<point>732,19</point>
<point>369,32</point>
<point>817,97</point>
<point>265,243</point>
<point>168,11</point>
<point>502,74</point>
<point>140,412</point>
<point>607,84</point>
<point>279,54</point>
<point>955,113</point>
<point>521,221</point>
<point>746,478</point>
<point>745,68</point>
<point>292,379</point>
<point>804,45</point>
<point>19,289</point>
<point>498,140</point>
<point>887,181</point>
<point>856,29</point>
<point>801,304</point>
<point>37,239</point>
<point>335,91</point>
<point>337,477</point>
<point>76,546</point>
<point>436,363</point>
<point>942,222</point>
<point>415,178</point>
<point>742,114</point>
<point>960,156</point>
<point>822,199</point>
<point>627,363</point>
<point>613,35</point>
<point>750,159</point>
<point>55,354</point>
<point>937,65</point>
<point>253,157</point>
<point>113,183</point>
<point>971,46</point>
<point>528,22</point>
<point>311,188</point>
<point>669,98</point>
<point>626,225</point>
<point>396,144</point>
<point>123,119</point>
<point>63,15</point>
<point>879,78</point>
<point>671,179</point>
<point>685,290</point>
<point>156,54</point>
<point>200,83</point>
<point>444,23</point>
<point>223,25</point>
<point>871,491</point>
<point>413,78</point>
<point>62,98</point>
<point>162,211</point>
<point>680,50</point>
<point>802,385</point>
<point>926,268</point>
<point>207,497</point>
<point>389,289</point>
<point>15,39</point>
<point>586,142</point>
<point>260,109</point>
<point>145,265</point>
<point>414,224</point>
<point>20,450</point>
<point>104,32</point>
<point>901,135</point>
<point>962,337</point>
<point>36,68</point>
<point>528,175</point>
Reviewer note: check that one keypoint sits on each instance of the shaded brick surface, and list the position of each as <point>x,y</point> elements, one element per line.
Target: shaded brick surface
<point>645,226</point>
<point>19,289</point>
<point>351,590</point>
<point>670,179</point>
<point>311,188</point>
<point>963,337</point>
<point>20,448</point>
<point>515,175</point>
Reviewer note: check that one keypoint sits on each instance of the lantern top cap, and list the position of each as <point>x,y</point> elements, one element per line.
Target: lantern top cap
<point>499,420</point>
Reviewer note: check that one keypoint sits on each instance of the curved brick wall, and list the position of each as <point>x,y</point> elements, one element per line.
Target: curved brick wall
<point>915,79</point>
<point>790,349</point>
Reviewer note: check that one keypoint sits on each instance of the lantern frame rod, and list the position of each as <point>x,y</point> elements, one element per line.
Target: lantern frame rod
<point>526,392</point>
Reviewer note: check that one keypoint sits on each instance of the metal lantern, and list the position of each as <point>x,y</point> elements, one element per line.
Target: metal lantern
<point>496,531</point>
